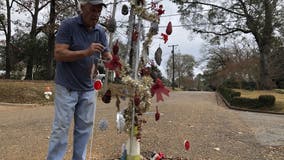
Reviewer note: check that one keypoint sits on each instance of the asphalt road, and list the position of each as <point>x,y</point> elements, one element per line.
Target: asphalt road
<point>214,131</point>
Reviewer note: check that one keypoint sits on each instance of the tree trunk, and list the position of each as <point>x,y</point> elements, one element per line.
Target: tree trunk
<point>29,71</point>
<point>51,39</point>
<point>8,49</point>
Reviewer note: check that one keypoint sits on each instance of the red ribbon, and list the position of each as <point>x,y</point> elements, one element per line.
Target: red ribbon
<point>114,63</point>
<point>158,88</point>
<point>165,37</point>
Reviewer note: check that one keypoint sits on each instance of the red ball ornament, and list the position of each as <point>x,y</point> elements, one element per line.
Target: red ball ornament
<point>98,84</point>
<point>186,145</point>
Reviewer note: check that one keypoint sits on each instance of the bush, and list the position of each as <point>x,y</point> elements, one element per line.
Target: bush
<point>266,100</point>
<point>228,93</point>
<point>250,85</point>
<point>245,102</point>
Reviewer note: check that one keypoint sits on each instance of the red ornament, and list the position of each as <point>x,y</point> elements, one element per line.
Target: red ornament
<point>186,145</point>
<point>160,10</point>
<point>137,100</point>
<point>115,48</point>
<point>158,88</point>
<point>157,115</point>
<point>98,84</point>
<point>114,64</point>
<point>134,36</point>
<point>169,29</point>
<point>164,37</point>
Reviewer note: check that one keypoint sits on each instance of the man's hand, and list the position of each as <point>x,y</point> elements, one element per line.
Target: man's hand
<point>95,47</point>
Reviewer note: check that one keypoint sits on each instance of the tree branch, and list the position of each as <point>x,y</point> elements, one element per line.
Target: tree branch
<point>40,8</point>
<point>216,6</point>
<point>24,7</point>
<point>224,33</point>
<point>4,27</point>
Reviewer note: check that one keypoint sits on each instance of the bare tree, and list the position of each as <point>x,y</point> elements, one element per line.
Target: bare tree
<point>224,18</point>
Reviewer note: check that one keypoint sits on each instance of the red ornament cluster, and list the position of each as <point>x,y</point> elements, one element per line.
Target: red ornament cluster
<point>98,84</point>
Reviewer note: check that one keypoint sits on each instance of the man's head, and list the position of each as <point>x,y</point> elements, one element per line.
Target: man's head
<point>91,11</point>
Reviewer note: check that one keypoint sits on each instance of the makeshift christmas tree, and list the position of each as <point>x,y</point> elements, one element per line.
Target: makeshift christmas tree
<point>139,77</point>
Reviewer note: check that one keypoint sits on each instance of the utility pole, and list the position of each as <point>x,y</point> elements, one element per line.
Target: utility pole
<point>173,52</point>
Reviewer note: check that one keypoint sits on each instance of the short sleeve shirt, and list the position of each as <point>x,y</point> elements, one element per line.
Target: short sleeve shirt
<point>75,75</point>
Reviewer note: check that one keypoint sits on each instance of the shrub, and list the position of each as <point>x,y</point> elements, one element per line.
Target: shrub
<point>266,100</point>
<point>250,85</point>
<point>245,102</point>
<point>228,93</point>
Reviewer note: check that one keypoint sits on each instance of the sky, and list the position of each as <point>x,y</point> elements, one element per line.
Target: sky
<point>188,43</point>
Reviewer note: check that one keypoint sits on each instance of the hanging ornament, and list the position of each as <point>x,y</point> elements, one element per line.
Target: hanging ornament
<point>114,64</point>
<point>160,10</point>
<point>124,94</point>
<point>154,28</point>
<point>164,37</point>
<point>123,152</point>
<point>107,97</point>
<point>103,124</point>
<point>158,56</point>
<point>186,145</point>
<point>120,122</point>
<point>111,25</point>
<point>137,99</point>
<point>145,71</point>
<point>115,48</point>
<point>158,88</point>
<point>157,114</point>
<point>135,36</point>
<point>98,84</point>
<point>169,29</point>
<point>124,9</point>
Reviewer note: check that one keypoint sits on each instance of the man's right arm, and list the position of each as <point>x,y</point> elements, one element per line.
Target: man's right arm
<point>63,53</point>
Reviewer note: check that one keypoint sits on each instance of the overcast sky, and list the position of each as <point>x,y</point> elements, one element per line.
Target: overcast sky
<point>188,43</point>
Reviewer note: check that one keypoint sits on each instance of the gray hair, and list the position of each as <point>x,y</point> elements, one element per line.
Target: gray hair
<point>81,2</point>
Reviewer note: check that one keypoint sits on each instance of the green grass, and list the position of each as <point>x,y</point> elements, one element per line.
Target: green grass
<point>279,104</point>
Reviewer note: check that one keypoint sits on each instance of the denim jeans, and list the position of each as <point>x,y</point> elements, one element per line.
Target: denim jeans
<point>68,105</point>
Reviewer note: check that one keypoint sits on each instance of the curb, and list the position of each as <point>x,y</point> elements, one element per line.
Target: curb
<point>245,109</point>
<point>23,104</point>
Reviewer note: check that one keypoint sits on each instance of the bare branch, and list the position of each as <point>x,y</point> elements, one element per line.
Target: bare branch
<point>224,33</point>
<point>216,6</point>
<point>24,7</point>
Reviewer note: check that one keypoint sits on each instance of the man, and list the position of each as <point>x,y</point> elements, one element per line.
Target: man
<point>79,43</point>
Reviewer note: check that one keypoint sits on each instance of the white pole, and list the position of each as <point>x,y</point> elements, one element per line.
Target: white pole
<point>92,137</point>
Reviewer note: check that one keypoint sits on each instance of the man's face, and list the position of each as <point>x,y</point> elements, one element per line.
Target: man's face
<point>91,14</point>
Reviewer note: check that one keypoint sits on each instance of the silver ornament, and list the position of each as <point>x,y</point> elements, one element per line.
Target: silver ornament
<point>103,124</point>
<point>120,122</point>
<point>158,56</point>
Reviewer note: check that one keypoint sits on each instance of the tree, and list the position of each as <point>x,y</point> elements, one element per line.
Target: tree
<point>183,67</point>
<point>223,19</point>
<point>237,62</point>
<point>5,26</point>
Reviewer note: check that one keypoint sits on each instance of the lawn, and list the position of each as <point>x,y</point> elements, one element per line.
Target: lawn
<point>29,92</point>
<point>279,95</point>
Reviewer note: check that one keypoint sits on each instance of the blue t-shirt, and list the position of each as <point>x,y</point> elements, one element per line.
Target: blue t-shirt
<point>75,75</point>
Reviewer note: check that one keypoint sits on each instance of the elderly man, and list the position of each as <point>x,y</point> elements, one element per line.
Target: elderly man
<point>80,41</point>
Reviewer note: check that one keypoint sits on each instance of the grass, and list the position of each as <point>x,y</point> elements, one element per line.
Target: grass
<point>279,96</point>
<point>28,92</point>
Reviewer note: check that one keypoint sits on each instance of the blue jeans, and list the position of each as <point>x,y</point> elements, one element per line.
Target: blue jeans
<point>68,105</point>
